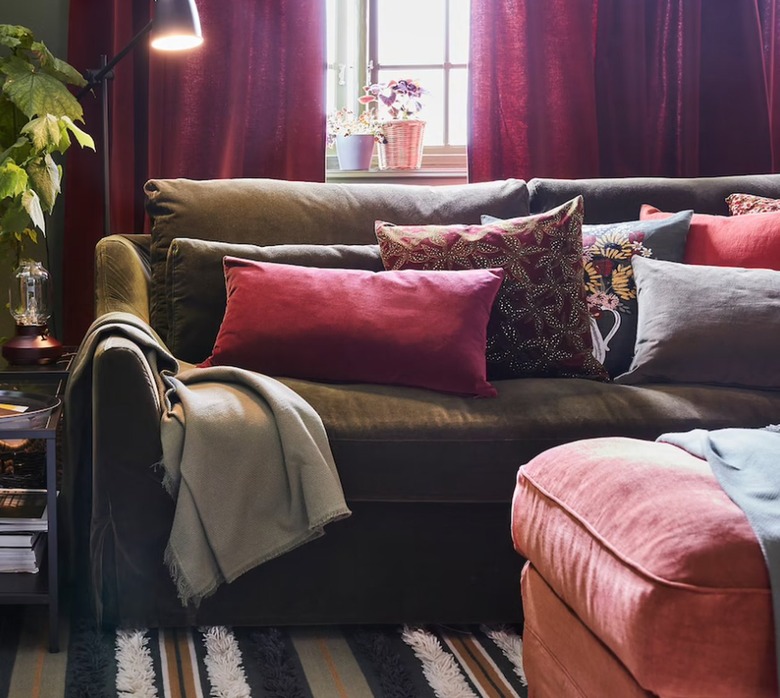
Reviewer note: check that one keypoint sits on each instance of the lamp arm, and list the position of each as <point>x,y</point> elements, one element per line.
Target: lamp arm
<point>96,77</point>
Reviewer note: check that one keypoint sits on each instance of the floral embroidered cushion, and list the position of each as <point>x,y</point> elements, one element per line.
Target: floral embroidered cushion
<point>539,325</point>
<point>607,251</point>
<point>740,204</point>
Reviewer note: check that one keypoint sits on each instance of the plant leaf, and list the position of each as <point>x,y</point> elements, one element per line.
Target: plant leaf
<point>45,180</point>
<point>7,152</point>
<point>64,72</point>
<point>44,132</point>
<point>13,179</point>
<point>15,36</point>
<point>37,93</point>
<point>83,138</point>
<point>32,204</point>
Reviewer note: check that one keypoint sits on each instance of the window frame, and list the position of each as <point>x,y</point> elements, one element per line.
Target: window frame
<point>356,55</point>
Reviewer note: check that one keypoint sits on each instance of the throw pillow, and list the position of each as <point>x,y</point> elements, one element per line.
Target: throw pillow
<point>739,204</point>
<point>729,241</point>
<point>412,328</point>
<point>539,325</point>
<point>607,250</point>
<point>706,324</point>
<point>195,283</point>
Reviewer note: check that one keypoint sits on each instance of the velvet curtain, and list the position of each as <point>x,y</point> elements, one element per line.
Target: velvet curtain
<point>248,103</point>
<point>598,88</point>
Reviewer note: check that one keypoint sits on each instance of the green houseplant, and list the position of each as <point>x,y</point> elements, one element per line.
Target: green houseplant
<point>37,119</point>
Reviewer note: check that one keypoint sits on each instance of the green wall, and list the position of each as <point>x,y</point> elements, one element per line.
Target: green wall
<point>48,20</point>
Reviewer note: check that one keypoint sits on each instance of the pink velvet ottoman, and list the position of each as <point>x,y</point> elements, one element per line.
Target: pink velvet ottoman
<point>643,577</point>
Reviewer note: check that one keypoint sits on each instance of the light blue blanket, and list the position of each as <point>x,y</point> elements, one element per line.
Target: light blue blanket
<point>746,463</point>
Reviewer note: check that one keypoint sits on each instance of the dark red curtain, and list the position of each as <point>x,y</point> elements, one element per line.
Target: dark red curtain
<point>598,88</point>
<point>248,103</point>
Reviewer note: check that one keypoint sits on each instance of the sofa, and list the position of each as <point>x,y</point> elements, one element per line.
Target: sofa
<point>428,476</point>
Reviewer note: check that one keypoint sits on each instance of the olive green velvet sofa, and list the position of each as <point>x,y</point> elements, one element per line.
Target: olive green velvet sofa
<point>429,477</point>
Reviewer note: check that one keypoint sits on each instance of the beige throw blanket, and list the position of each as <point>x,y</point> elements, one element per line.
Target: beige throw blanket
<point>246,459</point>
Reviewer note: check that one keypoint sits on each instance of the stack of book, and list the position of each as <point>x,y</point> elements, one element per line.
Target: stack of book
<point>23,522</point>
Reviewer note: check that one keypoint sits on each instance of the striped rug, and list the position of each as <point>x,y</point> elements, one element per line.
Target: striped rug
<point>313,662</point>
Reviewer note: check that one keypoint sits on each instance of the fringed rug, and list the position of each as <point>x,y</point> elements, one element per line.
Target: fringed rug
<point>314,662</point>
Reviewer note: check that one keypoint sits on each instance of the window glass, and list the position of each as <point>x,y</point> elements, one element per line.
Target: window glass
<point>459,31</point>
<point>410,31</point>
<point>458,122</point>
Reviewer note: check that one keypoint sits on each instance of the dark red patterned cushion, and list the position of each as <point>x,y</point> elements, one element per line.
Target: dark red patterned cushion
<point>539,325</point>
<point>740,204</point>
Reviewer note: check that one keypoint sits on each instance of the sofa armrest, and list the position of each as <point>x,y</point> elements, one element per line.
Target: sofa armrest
<point>122,275</point>
<point>130,510</point>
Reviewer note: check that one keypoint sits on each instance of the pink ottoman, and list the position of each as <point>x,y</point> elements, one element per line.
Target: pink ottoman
<point>643,577</point>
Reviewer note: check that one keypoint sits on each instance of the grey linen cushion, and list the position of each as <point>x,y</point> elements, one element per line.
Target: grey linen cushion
<point>195,283</point>
<point>703,324</point>
<point>273,212</point>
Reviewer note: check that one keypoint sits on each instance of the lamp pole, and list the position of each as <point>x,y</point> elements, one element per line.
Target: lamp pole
<point>100,77</point>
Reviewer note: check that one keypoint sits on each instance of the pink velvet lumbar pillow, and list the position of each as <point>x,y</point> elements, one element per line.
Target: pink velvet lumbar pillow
<point>729,241</point>
<point>423,329</point>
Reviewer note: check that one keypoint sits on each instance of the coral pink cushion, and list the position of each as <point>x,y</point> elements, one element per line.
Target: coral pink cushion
<point>641,543</point>
<point>414,328</point>
<point>729,241</point>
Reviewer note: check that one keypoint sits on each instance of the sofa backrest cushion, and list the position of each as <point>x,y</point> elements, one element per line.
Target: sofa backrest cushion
<point>609,200</point>
<point>195,310</point>
<point>270,212</point>
<point>422,329</point>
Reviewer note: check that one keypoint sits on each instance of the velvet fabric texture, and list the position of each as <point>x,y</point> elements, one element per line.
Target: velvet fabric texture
<point>195,310</point>
<point>270,212</point>
<point>632,536</point>
<point>704,324</point>
<point>740,204</point>
<point>539,325</point>
<point>245,103</point>
<point>632,88</point>
<point>729,241</point>
<point>412,328</point>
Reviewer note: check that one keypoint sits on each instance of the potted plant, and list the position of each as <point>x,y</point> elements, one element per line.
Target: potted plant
<point>402,101</point>
<point>354,137</point>
<point>37,120</point>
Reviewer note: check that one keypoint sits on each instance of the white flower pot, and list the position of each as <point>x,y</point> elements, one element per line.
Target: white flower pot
<point>355,151</point>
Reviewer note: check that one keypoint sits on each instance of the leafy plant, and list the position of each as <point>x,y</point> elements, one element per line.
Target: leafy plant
<point>37,119</point>
<point>401,99</point>
<point>344,123</point>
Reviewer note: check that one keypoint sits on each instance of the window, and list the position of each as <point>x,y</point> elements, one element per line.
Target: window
<point>380,40</point>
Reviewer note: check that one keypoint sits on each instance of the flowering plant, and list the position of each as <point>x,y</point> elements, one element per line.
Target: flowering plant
<point>344,123</point>
<point>401,98</point>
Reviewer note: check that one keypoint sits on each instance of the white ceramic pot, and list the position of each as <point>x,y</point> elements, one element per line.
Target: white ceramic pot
<point>355,151</point>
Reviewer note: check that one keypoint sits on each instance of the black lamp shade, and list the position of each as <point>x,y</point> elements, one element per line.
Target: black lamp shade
<point>176,25</point>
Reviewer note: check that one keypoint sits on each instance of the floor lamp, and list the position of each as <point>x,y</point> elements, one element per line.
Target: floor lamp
<point>174,27</point>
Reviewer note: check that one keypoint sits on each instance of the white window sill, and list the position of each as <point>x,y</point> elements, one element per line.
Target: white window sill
<point>425,176</point>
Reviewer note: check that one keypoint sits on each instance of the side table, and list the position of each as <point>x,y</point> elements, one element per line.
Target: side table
<point>42,587</point>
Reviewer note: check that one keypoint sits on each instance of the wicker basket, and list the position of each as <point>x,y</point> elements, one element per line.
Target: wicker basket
<point>404,147</point>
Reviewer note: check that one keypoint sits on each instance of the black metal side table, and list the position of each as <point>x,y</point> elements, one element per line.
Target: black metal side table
<point>43,586</point>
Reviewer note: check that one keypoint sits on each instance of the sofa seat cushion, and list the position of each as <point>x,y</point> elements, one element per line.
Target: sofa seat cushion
<point>642,544</point>
<point>406,444</point>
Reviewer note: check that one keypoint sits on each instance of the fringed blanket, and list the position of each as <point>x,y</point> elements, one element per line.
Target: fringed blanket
<point>246,459</point>
<point>746,463</point>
